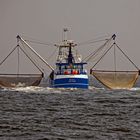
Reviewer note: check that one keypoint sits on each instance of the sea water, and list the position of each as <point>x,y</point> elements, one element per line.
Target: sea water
<point>43,113</point>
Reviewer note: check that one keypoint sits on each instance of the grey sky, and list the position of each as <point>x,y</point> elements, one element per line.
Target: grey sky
<point>86,19</point>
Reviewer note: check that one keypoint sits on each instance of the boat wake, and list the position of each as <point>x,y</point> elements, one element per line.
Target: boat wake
<point>30,89</point>
<point>135,89</point>
<point>42,90</point>
<point>48,90</point>
<point>45,90</point>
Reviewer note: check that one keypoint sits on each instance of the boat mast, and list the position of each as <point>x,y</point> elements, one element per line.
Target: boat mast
<point>70,55</point>
<point>69,44</point>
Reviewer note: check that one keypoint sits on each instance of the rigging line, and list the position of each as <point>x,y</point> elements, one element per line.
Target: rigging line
<point>98,39</point>
<point>97,51</point>
<point>31,60</point>
<point>115,58</point>
<point>102,56</point>
<point>41,43</point>
<point>84,43</point>
<point>100,48</point>
<point>41,58</point>
<point>8,55</point>
<point>94,53</point>
<point>18,59</point>
<point>127,57</point>
<point>37,41</point>
<point>52,54</point>
<point>30,57</point>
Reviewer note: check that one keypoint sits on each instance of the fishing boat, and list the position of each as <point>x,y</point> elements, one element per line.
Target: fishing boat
<point>70,71</point>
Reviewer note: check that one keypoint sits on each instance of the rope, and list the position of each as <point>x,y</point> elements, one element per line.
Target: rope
<point>99,49</point>
<point>102,56</point>
<point>31,59</point>
<point>95,40</point>
<point>93,53</point>
<point>41,43</point>
<point>115,58</point>
<point>7,56</point>
<point>32,50</point>
<point>18,59</point>
<point>84,43</point>
<point>52,54</point>
<point>33,40</point>
<point>127,57</point>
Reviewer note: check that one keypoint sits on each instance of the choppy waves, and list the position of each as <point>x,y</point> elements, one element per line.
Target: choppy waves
<point>43,113</point>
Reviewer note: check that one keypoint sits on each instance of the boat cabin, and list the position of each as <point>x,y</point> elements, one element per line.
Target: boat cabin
<point>70,69</point>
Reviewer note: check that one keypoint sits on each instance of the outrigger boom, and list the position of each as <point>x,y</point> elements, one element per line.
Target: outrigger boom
<point>41,58</point>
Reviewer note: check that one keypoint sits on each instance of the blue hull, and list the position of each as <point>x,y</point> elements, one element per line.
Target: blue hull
<point>71,86</point>
<point>71,83</point>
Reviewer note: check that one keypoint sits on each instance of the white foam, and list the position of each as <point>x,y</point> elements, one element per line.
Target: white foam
<point>135,88</point>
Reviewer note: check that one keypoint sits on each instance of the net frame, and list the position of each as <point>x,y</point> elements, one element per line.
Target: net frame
<point>20,80</point>
<point>107,72</point>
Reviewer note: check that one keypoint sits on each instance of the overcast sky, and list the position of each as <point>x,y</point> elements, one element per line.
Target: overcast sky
<point>86,19</point>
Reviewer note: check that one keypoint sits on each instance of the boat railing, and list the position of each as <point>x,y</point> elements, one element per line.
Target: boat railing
<point>71,72</point>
